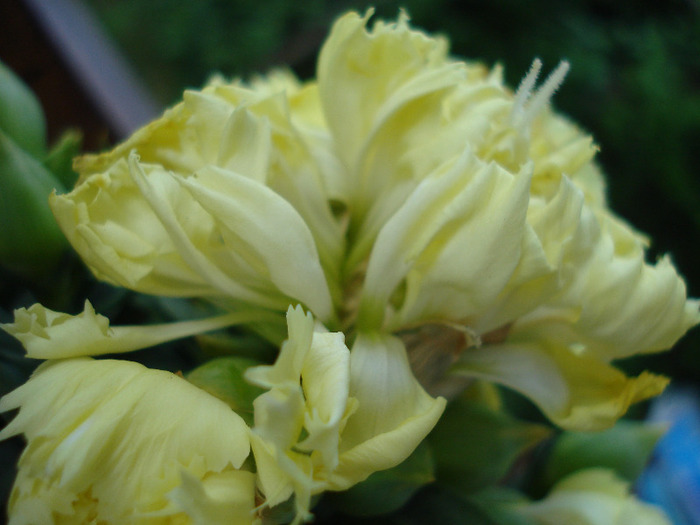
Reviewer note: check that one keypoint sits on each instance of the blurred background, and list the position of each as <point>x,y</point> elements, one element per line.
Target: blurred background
<point>634,85</point>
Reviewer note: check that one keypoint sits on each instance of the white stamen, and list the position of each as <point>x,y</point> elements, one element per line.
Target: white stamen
<point>525,88</point>
<point>545,92</point>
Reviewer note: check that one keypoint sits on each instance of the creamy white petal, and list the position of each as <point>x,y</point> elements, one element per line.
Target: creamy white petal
<point>574,391</point>
<point>280,248</point>
<point>456,242</point>
<point>394,413</point>
<point>114,437</point>
<point>46,334</point>
<point>218,499</point>
<point>592,497</point>
<point>365,76</point>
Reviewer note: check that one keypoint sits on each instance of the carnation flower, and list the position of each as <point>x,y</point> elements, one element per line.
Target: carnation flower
<point>402,191</point>
<point>115,442</point>
<point>421,211</point>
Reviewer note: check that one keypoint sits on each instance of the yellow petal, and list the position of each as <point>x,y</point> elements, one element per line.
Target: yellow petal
<point>628,306</point>
<point>326,383</point>
<point>120,238</point>
<point>112,438</point>
<point>309,386</point>
<point>394,413</point>
<point>281,247</point>
<point>592,497</point>
<point>46,334</point>
<point>611,302</point>
<point>575,391</point>
<point>365,76</point>
<point>218,499</point>
<point>287,368</point>
<point>444,241</point>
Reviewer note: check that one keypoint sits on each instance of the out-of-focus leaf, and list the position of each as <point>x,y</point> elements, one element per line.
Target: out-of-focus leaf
<point>21,116</point>
<point>500,504</point>
<point>388,490</point>
<point>59,160</point>
<point>30,240</point>
<point>242,345</point>
<point>475,446</point>
<point>223,378</point>
<point>624,448</point>
<point>437,505</point>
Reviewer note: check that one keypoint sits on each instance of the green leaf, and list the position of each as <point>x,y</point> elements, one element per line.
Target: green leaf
<point>438,505</point>
<point>475,446</point>
<point>223,378</point>
<point>388,490</point>
<point>21,116</point>
<point>30,240</point>
<point>59,160</point>
<point>624,448</point>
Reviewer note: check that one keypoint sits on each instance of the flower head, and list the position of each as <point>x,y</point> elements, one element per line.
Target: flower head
<point>402,190</point>
<point>115,442</point>
<point>437,227</point>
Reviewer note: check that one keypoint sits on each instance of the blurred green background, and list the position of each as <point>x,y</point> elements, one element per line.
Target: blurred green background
<point>634,84</point>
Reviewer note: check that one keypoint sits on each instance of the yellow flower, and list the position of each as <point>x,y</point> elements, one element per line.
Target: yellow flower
<point>407,199</point>
<point>443,225</point>
<point>591,497</point>
<point>113,442</point>
<point>358,412</point>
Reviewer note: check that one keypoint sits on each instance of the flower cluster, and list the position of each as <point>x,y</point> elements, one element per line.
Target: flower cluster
<point>436,227</point>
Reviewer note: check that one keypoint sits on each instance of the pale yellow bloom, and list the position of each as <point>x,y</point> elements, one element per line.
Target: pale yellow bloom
<point>358,412</point>
<point>592,497</point>
<point>413,204</point>
<point>113,442</point>
<point>408,200</point>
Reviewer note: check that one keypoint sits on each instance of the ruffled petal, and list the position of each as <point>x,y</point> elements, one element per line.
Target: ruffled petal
<point>444,241</point>
<point>46,334</point>
<point>118,235</point>
<point>218,499</point>
<point>574,391</point>
<point>394,413</point>
<point>113,437</point>
<point>366,76</point>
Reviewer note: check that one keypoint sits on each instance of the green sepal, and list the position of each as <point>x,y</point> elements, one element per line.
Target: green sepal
<point>59,160</point>
<point>388,490</point>
<point>21,116</point>
<point>223,378</point>
<point>475,446</point>
<point>625,448</point>
<point>30,239</point>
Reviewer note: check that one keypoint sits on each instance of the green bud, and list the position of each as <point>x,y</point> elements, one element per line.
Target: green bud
<point>223,378</point>
<point>30,240</point>
<point>21,116</point>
